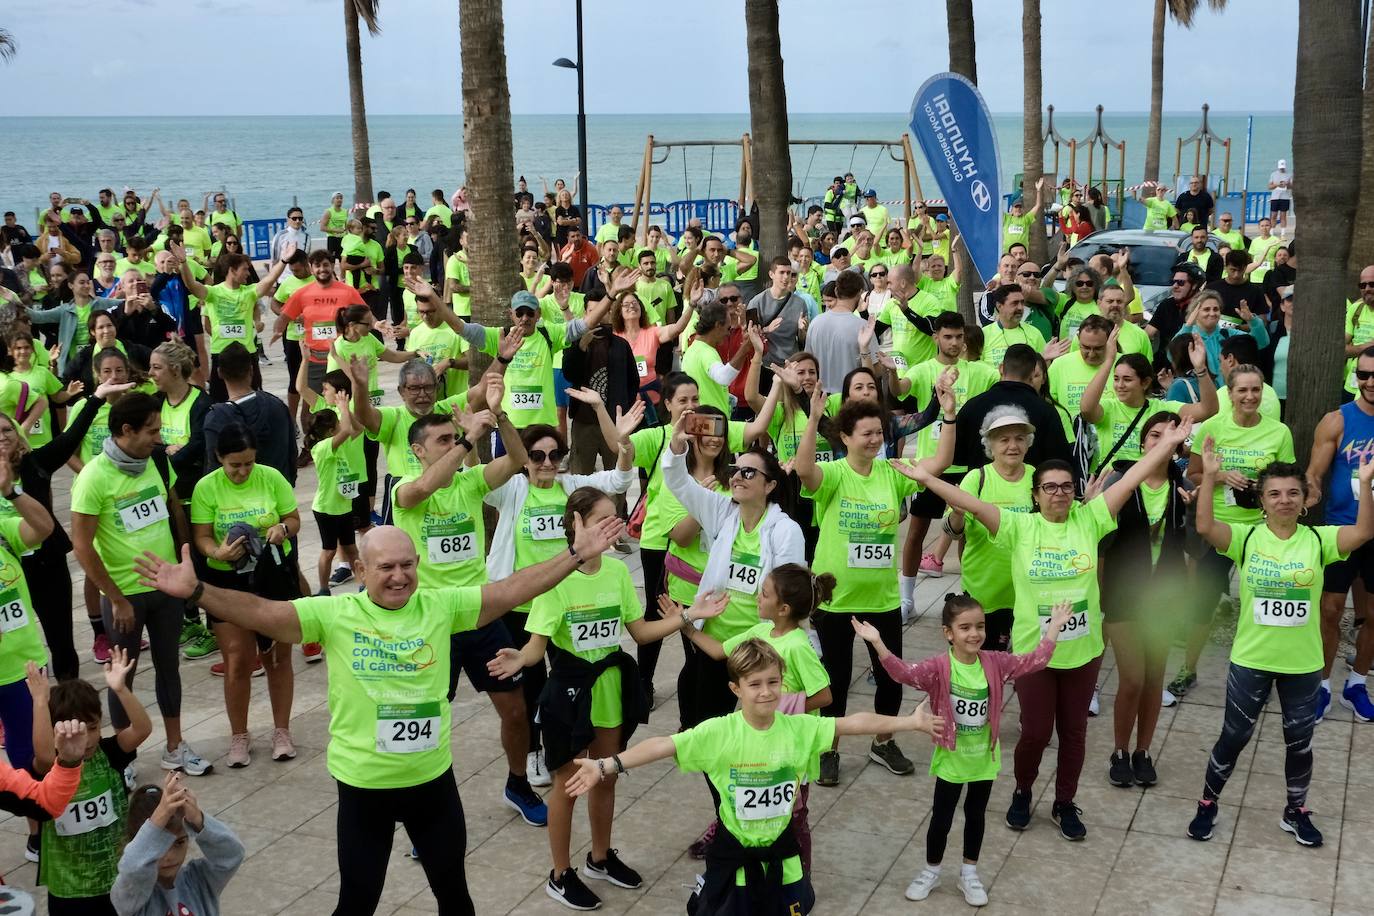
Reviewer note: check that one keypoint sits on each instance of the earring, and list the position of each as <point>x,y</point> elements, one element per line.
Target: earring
<point>1303,513</point>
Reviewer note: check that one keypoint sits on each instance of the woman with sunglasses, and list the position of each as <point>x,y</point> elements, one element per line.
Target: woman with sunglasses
<point>1054,558</point>
<point>1204,321</point>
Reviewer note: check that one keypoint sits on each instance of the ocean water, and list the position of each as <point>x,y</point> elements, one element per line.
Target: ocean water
<point>265,164</point>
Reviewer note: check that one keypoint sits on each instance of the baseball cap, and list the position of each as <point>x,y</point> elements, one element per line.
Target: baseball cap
<point>1285,292</point>
<point>1283,163</point>
<point>838,250</point>
<point>524,300</point>
<point>870,193</point>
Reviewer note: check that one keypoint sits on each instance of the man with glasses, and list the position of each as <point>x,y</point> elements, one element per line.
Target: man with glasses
<point>1233,238</point>
<point>222,214</point>
<point>1070,374</point>
<point>1172,311</point>
<point>1198,199</point>
<point>295,234</point>
<point>317,305</point>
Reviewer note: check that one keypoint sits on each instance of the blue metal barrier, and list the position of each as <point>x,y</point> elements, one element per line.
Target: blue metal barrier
<point>257,237</point>
<point>716,215</point>
<point>1256,206</point>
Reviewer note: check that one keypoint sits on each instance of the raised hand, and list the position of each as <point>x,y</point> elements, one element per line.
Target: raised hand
<point>1211,460</point>
<point>69,740</point>
<point>37,681</point>
<point>710,605</point>
<point>506,664</point>
<point>867,331</point>
<point>626,422</point>
<point>585,395</point>
<point>818,398</point>
<point>594,540</point>
<point>756,339</point>
<point>678,442</point>
<point>176,579</point>
<point>1056,348</point>
<point>358,372</point>
<point>787,375</point>
<point>75,387</point>
<point>118,668</point>
<point>1112,345</point>
<point>914,471</point>
<point>1197,353</point>
<point>510,343</point>
<point>496,392</point>
<point>1059,615</point>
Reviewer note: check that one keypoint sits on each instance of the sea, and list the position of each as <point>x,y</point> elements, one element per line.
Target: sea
<point>266,164</point>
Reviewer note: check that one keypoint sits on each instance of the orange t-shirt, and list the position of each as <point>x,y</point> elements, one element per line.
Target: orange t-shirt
<point>318,308</point>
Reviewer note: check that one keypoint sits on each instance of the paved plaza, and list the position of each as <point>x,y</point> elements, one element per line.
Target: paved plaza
<point>869,832</point>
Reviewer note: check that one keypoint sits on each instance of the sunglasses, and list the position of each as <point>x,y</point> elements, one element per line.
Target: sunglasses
<point>1083,283</point>
<point>411,222</point>
<point>296,219</point>
<point>1057,489</point>
<point>1364,375</point>
<point>728,300</point>
<point>553,456</point>
<point>1028,275</point>
<point>744,473</point>
<point>1178,282</point>
<point>878,273</point>
<point>1366,284</point>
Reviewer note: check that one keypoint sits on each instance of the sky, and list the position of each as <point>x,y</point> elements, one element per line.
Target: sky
<point>127,56</point>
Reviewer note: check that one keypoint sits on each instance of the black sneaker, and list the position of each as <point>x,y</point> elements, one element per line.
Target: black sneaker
<point>890,755</point>
<point>1298,821</point>
<point>830,769</point>
<point>613,870</point>
<point>1018,815</point>
<point>340,575</point>
<point>569,890</point>
<point>1065,814</point>
<point>1120,773</point>
<point>1144,769</point>
<point>31,848</point>
<point>1201,826</point>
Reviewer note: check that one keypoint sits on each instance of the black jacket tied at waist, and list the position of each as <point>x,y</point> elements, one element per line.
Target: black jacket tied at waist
<point>762,888</point>
<point>565,704</point>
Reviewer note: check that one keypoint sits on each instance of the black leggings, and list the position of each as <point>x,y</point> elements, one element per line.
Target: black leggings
<point>162,615</point>
<point>432,814</point>
<point>1247,690</point>
<point>651,561</point>
<point>837,654</point>
<point>50,587</point>
<point>703,692</point>
<point>942,818</point>
<point>536,675</point>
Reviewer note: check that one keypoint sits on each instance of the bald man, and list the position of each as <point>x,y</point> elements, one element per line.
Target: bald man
<point>389,729</point>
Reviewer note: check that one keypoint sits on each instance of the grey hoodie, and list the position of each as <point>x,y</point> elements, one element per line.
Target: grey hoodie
<point>136,890</point>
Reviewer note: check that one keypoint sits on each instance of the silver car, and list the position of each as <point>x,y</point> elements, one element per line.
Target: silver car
<point>1153,256</point>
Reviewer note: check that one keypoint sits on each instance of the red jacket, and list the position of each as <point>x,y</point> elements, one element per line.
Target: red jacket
<point>933,676</point>
<point>52,794</point>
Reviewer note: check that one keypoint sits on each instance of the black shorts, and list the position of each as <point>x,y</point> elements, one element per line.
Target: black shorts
<point>334,245</point>
<point>335,530</point>
<point>1339,576</point>
<point>1279,206</point>
<point>292,348</point>
<point>926,504</point>
<point>472,649</point>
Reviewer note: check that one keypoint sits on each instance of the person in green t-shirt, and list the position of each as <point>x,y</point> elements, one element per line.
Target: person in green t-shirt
<point>240,506</point>
<point>334,440</point>
<point>1020,222</point>
<point>755,759</point>
<point>1160,213</point>
<point>1278,644</point>
<point>1009,300</point>
<point>390,742</point>
<point>965,683</point>
<point>430,339</point>
<point>1054,558</point>
<point>701,358</point>
<point>44,390</point>
<point>333,223</point>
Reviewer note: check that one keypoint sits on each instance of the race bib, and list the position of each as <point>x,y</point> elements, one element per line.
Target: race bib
<point>37,429</point>
<point>451,543</point>
<point>233,331</point>
<point>594,628</point>
<point>642,366</point>
<point>407,729</point>
<point>1282,607</point>
<point>325,332</point>
<point>1076,627</point>
<point>935,430</point>
<point>85,816</point>
<point>745,573</point>
<point>527,399</point>
<point>141,510</point>
<point>970,712</point>
<point>13,612</point>
<point>348,489</point>
<point>875,554</point>
<point>375,396</point>
<point>546,524</point>
<point>825,456</point>
<point>761,795</point>
<point>900,362</point>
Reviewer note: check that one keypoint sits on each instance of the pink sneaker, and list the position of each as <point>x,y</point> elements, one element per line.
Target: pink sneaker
<point>283,748</point>
<point>100,651</point>
<point>238,751</point>
<point>932,567</point>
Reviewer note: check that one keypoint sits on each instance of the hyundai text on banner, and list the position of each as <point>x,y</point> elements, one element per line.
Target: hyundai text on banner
<point>951,122</point>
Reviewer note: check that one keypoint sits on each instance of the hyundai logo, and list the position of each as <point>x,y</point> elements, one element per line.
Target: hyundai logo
<point>979,193</point>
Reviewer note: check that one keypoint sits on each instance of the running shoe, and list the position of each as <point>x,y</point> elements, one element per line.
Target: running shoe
<point>1298,821</point>
<point>1182,682</point>
<point>698,849</point>
<point>131,777</point>
<point>972,886</point>
<point>217,669</point>
<point>921,885</point>
<point>536,772</point>
<point>190,629</point>
<point>612,870</point>
<point>1065,814</point>
<point>340,575</point>
<point>303,459</point>
<point>313,652</point>
<point>1144,769</point>
<point>890,755</point>
<point>186,760</point>
<point>1323,702</point>
<point>1203,821</point>
<point>1355,697</point>
<point>1093,707</point>
<point>239,752</point>
<point>830,769</point>
<point>932,566</point>
<point>531,807</point>
<point>100,649</point>
<point>203,644</point>
<point>1119,772</point>
<point>143,644</point>
<point>1167,700</point>
<point>32,846</point>
<point>1019,814</point>
<point>569,890</point>
<point>283,748</point>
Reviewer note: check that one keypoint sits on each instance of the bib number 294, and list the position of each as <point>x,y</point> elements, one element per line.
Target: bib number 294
<point>403,729</point>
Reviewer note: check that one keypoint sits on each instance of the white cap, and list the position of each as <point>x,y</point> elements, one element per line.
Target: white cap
<point>1283,164</point>
<point>839,248</point>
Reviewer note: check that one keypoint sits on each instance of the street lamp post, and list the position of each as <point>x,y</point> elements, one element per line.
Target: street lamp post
<point>581,118</point>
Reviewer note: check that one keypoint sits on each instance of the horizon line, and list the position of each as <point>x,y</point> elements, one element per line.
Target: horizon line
<point>621,114</point>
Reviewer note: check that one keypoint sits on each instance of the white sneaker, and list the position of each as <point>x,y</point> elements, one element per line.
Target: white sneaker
<point>535,771</point>
<point>921,885</point>
<point>974,892</point>
<point>1092,704</point>
<point>131,777</point>
<point>1168,700</point>
<point>186,760</point>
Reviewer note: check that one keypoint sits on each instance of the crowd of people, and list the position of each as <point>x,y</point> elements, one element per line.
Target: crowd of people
<point>762,428</point>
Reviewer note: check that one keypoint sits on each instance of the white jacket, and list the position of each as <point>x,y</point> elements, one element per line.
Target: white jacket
<point>509,499</point>
<point>780,538</point>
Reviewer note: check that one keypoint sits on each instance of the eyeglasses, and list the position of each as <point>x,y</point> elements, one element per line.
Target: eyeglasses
<point>744,473</point>
<point>727,300</point>
<point>1083,283</point>
<point>1028,275</point>
<point>1057,489</point>
<point>419,389</point>
<point>1178,282</point>
<point>878,273</point>
<point>1366,284</point>
<point>1364,375</point>
<point>411,222</point>
<point>296,219</point>
<point>554,456</point>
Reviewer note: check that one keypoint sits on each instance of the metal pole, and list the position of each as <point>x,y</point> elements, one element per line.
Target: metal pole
<point>582,121</point>
<point>1249,136</point>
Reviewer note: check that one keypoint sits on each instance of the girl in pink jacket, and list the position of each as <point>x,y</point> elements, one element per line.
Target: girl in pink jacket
<point>965,687</point>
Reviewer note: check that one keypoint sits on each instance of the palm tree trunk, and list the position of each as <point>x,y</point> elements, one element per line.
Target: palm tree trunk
<point>1032,131</point>
<point>772,158</point>
<point>963,59</point>
<point>1326,101</point>
<point>1152,139</point>
<point>488,162</point>
<point>362,156</point>
<point>1362,244</point>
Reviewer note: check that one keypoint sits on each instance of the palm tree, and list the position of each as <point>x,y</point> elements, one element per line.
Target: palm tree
<point>366,10</point>
<point>1362,245</point>
<point>1183,12</point>
<point>1326,101</point>
<point>1032,132</point>
<point>771,160</point>
<point>8,46</point>
<point>488,161</point>
<point>963,60</point>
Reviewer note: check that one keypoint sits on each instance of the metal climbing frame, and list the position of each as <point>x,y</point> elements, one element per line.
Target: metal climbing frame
<point>1202,139</point>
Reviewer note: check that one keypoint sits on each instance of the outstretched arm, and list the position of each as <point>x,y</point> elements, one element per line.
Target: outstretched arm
<point>523,585</point>
<point>276,619</point>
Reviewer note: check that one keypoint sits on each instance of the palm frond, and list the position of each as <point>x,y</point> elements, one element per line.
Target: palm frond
<point>367,11</point>
<point>1183,11</point>
<point>8,46</point>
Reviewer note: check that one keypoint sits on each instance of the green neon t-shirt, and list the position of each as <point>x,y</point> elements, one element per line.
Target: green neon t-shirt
<point>805,673</point>
<point>910,345</point>
<point>697,361</point>
<point>973,380</point>
<point>288,285</point>
<point>1069,377</point>
<point>996,340</point>
<point>447,530</point>
<point>529,377</point>
<point>41,383</point>
<point>660,505</point>
<point>366,348</point>
<point>23,643</point>
<point>260,501</point>
<point>1116,420</point>
<point>231,313</point>
<point>339,473</point>
<point>1158,213</point>
<point>131,516</point>
<point>973,758</point>
<point>986,564</point>
<point>1248,449</point>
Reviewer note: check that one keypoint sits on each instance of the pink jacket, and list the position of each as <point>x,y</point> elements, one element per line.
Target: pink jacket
<point>933,676</point>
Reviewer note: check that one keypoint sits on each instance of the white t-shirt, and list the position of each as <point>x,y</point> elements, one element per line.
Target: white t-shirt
<point>1280,192</point>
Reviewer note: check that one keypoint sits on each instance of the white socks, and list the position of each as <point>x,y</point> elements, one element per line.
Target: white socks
<point>966,869</point>
<point>906,585</point>
<point>1351,678</point>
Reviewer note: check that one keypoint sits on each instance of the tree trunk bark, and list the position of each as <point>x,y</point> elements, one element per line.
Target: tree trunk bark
<point>1362,244</point>
<point>1032,130</point>
<point>1152,139</point>
<point>1326,101</point>
<point>362,156</point>
<point>488,161</point>
<point>963,59</point>
<point>772,158</point>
